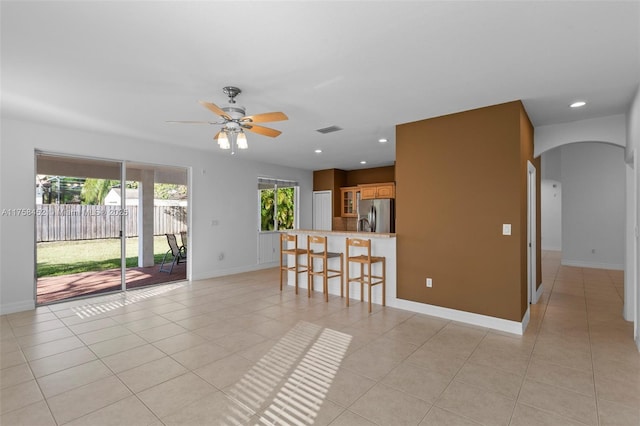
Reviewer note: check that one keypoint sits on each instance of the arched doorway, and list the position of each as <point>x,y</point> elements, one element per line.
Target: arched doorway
<point>585,220</point>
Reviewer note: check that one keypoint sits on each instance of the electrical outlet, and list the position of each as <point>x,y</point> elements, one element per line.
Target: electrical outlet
<point>429,283</point>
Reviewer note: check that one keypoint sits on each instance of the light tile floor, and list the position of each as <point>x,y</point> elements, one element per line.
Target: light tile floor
<point>234,350</point>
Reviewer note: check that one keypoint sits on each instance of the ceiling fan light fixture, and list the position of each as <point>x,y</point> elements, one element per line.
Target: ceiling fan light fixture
<point>242,141</point>
<point>235,122</point>
<point>223,141</point>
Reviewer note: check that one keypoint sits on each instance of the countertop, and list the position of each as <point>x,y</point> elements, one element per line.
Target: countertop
<point>352,234</point>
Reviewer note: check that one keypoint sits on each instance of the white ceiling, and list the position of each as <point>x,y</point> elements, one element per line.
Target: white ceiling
<point>127,67</point>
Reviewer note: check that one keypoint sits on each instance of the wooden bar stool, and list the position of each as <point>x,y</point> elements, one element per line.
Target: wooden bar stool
<point>325,272</point>
<point>295,251</point>
<point>365,259</point>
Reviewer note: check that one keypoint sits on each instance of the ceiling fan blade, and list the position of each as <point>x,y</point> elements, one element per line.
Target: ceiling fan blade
<point>190,122</point>
<point>215,109</point>
<point>261,130</point>
<point>267,116</point>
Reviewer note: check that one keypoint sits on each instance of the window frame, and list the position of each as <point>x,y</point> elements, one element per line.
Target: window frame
<point>278,184</point>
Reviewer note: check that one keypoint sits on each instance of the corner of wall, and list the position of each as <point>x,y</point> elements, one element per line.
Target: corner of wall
<point>445,160</point>
<point>10,308</point>
<point>633,128</point>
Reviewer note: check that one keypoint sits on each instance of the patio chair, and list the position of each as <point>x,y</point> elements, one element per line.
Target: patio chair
<point>174,251</point>
<point>183,247</point>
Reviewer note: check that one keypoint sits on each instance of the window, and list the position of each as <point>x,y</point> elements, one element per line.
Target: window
<point>278,204</point>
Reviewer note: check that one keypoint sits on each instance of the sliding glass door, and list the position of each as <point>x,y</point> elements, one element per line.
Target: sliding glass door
<point>156,231</point>
<point>105,226</point>
<point>78,237</point>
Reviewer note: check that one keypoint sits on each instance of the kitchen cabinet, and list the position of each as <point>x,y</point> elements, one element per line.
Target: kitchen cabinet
<point>348,204</point>
<point>377,190</point>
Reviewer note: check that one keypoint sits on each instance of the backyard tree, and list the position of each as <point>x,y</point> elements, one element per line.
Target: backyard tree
<point>277,204</point>
<point>94,191</point>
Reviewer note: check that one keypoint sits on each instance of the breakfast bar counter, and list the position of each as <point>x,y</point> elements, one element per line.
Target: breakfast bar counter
<point>382,244</point>
<point>350,234</point>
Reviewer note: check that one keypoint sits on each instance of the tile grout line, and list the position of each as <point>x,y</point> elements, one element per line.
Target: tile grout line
<point>593,367</point>
<point>582,285</point>
<point>103,315</point>
<point>44,398</point>
<point>551,290</point>
<point>453,377</point>
<point>533,348</point>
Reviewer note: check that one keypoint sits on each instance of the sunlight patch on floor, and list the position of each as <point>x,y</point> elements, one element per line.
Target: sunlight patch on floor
<point>289,384</point>
<point>105,304</point>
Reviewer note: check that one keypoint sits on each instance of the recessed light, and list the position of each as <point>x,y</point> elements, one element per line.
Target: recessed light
<point>318,151</point>
<point>578,104</point>
<point>363,162</point>
<point>382,140</point>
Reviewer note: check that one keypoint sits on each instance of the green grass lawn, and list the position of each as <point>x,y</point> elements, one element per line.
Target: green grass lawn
<point>70,257</point>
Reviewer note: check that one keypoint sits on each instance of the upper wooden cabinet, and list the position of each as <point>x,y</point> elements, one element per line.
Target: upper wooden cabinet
<point>348,201</point>
<point>377,190</point>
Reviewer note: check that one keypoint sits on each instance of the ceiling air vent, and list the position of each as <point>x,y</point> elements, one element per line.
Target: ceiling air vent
<point>329,129</point>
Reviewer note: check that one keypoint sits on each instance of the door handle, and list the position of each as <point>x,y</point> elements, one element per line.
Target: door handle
<point>372,224</point>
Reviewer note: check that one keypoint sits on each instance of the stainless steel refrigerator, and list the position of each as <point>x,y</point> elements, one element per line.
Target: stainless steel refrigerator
<point>376,215</point>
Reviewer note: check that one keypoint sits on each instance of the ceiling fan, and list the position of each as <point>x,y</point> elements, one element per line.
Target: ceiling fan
<point>235,122</point>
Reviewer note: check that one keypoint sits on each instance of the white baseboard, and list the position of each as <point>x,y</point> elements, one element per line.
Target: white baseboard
<point>525,320</point>
<point>10,308</point>
<point>627,310</point>
<point>232,271</point>
<point>538,294</point>
<point>499,324</point>
<point>597,265</point>
<point>494,323</point>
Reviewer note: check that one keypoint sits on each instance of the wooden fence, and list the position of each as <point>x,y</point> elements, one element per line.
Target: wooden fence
<point>65,222</point>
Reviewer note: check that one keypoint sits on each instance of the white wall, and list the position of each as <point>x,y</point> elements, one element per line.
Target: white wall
<point>632,273</point>
<point>611,129</point>
<point>551,211</point>
<point>223,189</point>
<point>630,267</point>
<point>551,200</point>
<point>593,205</point>
<point>551,166</point>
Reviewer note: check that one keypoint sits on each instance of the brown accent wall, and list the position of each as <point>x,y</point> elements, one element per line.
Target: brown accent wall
<point>334,179</point>
<point>372,175</point>
<point>458,179</point>
<point>323,180</point>
<point>526,146</point>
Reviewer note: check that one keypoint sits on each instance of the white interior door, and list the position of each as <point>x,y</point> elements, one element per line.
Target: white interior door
<point>531,233</point>
<point>322,217</point>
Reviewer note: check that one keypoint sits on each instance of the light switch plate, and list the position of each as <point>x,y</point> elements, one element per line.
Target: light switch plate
<point>506,229</point>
